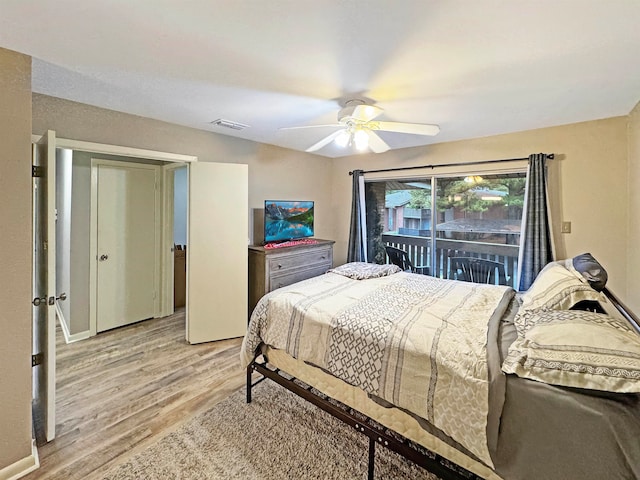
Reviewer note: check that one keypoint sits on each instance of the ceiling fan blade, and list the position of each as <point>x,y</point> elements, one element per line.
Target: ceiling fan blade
<point>413,128</point>
<point>311,126</point>
<point>325,141</point>
<point>376,144</point>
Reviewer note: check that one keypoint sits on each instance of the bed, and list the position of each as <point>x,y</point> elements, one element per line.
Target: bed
<point>467,380</point>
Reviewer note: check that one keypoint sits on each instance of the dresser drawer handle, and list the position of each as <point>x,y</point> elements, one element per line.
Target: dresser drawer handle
<point>279,266</point>
<point>322,257</point>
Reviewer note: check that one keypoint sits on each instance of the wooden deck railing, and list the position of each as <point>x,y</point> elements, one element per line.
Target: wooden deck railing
<point>419,250</point>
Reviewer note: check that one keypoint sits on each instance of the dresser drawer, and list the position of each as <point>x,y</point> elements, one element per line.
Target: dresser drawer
<point>302,259</point>
<point>275,268</point>
<point>279,281</point>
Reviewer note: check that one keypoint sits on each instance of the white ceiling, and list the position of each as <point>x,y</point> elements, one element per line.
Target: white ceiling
<point>474,67</point>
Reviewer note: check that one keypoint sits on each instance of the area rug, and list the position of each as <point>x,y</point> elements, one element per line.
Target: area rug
<point>277,436</point>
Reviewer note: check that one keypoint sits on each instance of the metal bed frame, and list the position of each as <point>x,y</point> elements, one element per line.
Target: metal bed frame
<point>432,462</point>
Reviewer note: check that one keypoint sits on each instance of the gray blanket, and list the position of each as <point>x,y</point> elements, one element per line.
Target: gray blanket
<point>558,433</point>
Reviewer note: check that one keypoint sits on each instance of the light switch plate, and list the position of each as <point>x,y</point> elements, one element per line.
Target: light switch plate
<point>566,227</point>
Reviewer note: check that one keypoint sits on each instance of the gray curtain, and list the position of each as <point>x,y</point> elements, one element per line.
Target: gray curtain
<point>356,251</point>
<point>536,248</point>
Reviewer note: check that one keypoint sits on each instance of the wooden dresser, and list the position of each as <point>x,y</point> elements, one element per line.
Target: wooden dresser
<point>278,267</point>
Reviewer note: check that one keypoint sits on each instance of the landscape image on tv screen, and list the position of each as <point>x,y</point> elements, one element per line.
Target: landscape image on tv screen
<point>287,220</point>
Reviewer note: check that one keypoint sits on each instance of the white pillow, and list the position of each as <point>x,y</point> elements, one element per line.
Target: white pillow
<point>575,348</point>
<point>557,288</point>
<point>363,270</point>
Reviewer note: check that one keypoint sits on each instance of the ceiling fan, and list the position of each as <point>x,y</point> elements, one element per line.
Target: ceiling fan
<point>358,128</point>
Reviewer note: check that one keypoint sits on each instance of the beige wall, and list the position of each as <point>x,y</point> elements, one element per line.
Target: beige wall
<point>273,172</point>
<point>587,178</point>
<point>15,257</point>
<point>633,257</point>
<point>588,184</point>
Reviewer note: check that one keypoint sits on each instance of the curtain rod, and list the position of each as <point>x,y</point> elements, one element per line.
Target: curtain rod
<point>480,162</point>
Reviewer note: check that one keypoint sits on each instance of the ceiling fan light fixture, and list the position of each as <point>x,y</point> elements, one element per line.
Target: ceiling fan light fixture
<point>343,139</point>
<point>358,129</point>
<point>361,139</point>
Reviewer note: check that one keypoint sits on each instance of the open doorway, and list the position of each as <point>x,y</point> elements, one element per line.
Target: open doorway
<point>180,204</point>
<point>104,243</point>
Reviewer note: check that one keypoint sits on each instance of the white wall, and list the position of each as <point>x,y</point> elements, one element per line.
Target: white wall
<point>80,235</point>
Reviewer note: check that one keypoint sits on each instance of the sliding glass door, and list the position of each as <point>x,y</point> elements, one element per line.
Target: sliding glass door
<point>462,227</point>
<point>399,214</point>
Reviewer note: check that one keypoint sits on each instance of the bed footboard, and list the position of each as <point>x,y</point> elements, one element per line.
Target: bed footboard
<point>377,434</point>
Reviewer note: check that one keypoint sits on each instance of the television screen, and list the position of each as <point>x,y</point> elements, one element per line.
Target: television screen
<point>287,220</point>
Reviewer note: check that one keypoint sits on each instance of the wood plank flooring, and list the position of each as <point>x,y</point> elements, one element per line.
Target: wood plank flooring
<point>122,390</point>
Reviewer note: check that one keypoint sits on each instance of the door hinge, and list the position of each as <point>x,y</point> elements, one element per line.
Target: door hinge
<point>37,171</point>
<point>39,301</point>
<point>37,359</point>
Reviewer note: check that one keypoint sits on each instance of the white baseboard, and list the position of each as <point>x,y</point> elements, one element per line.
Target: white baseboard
<point>68,338</point>
<point>22,467</point>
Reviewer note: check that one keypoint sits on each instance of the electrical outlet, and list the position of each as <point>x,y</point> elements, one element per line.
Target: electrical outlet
<point>566,227</point>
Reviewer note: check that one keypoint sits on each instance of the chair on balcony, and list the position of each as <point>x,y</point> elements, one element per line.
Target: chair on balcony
<point>401,258</point>
<point>477,270</point>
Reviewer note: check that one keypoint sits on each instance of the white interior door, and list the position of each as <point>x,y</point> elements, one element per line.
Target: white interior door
<point>44,288</point>
<point>127,243</point>
<point>217,258</point>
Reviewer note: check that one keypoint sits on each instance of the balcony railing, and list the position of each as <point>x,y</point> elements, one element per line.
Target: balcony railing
<point>416,213</point>
<point>419,250</point>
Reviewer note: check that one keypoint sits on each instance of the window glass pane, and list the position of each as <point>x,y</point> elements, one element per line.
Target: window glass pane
<point>479,217</point>
<point>402,219</point>
<point>374,204</point>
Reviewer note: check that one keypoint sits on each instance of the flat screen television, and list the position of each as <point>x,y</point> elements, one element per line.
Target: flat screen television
<point>287,220</point>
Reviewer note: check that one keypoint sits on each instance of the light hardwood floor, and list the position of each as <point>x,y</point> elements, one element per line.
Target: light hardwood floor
<point>120,391</point>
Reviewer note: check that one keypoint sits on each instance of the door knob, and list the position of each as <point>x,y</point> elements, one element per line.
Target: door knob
<point>63,296</point>
<point>103,257</point>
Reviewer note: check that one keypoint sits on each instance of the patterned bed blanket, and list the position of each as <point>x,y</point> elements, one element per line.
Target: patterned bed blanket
<point>415,341</point>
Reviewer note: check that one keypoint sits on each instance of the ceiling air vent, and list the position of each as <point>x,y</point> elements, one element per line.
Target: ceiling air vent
<point>221,122</point>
